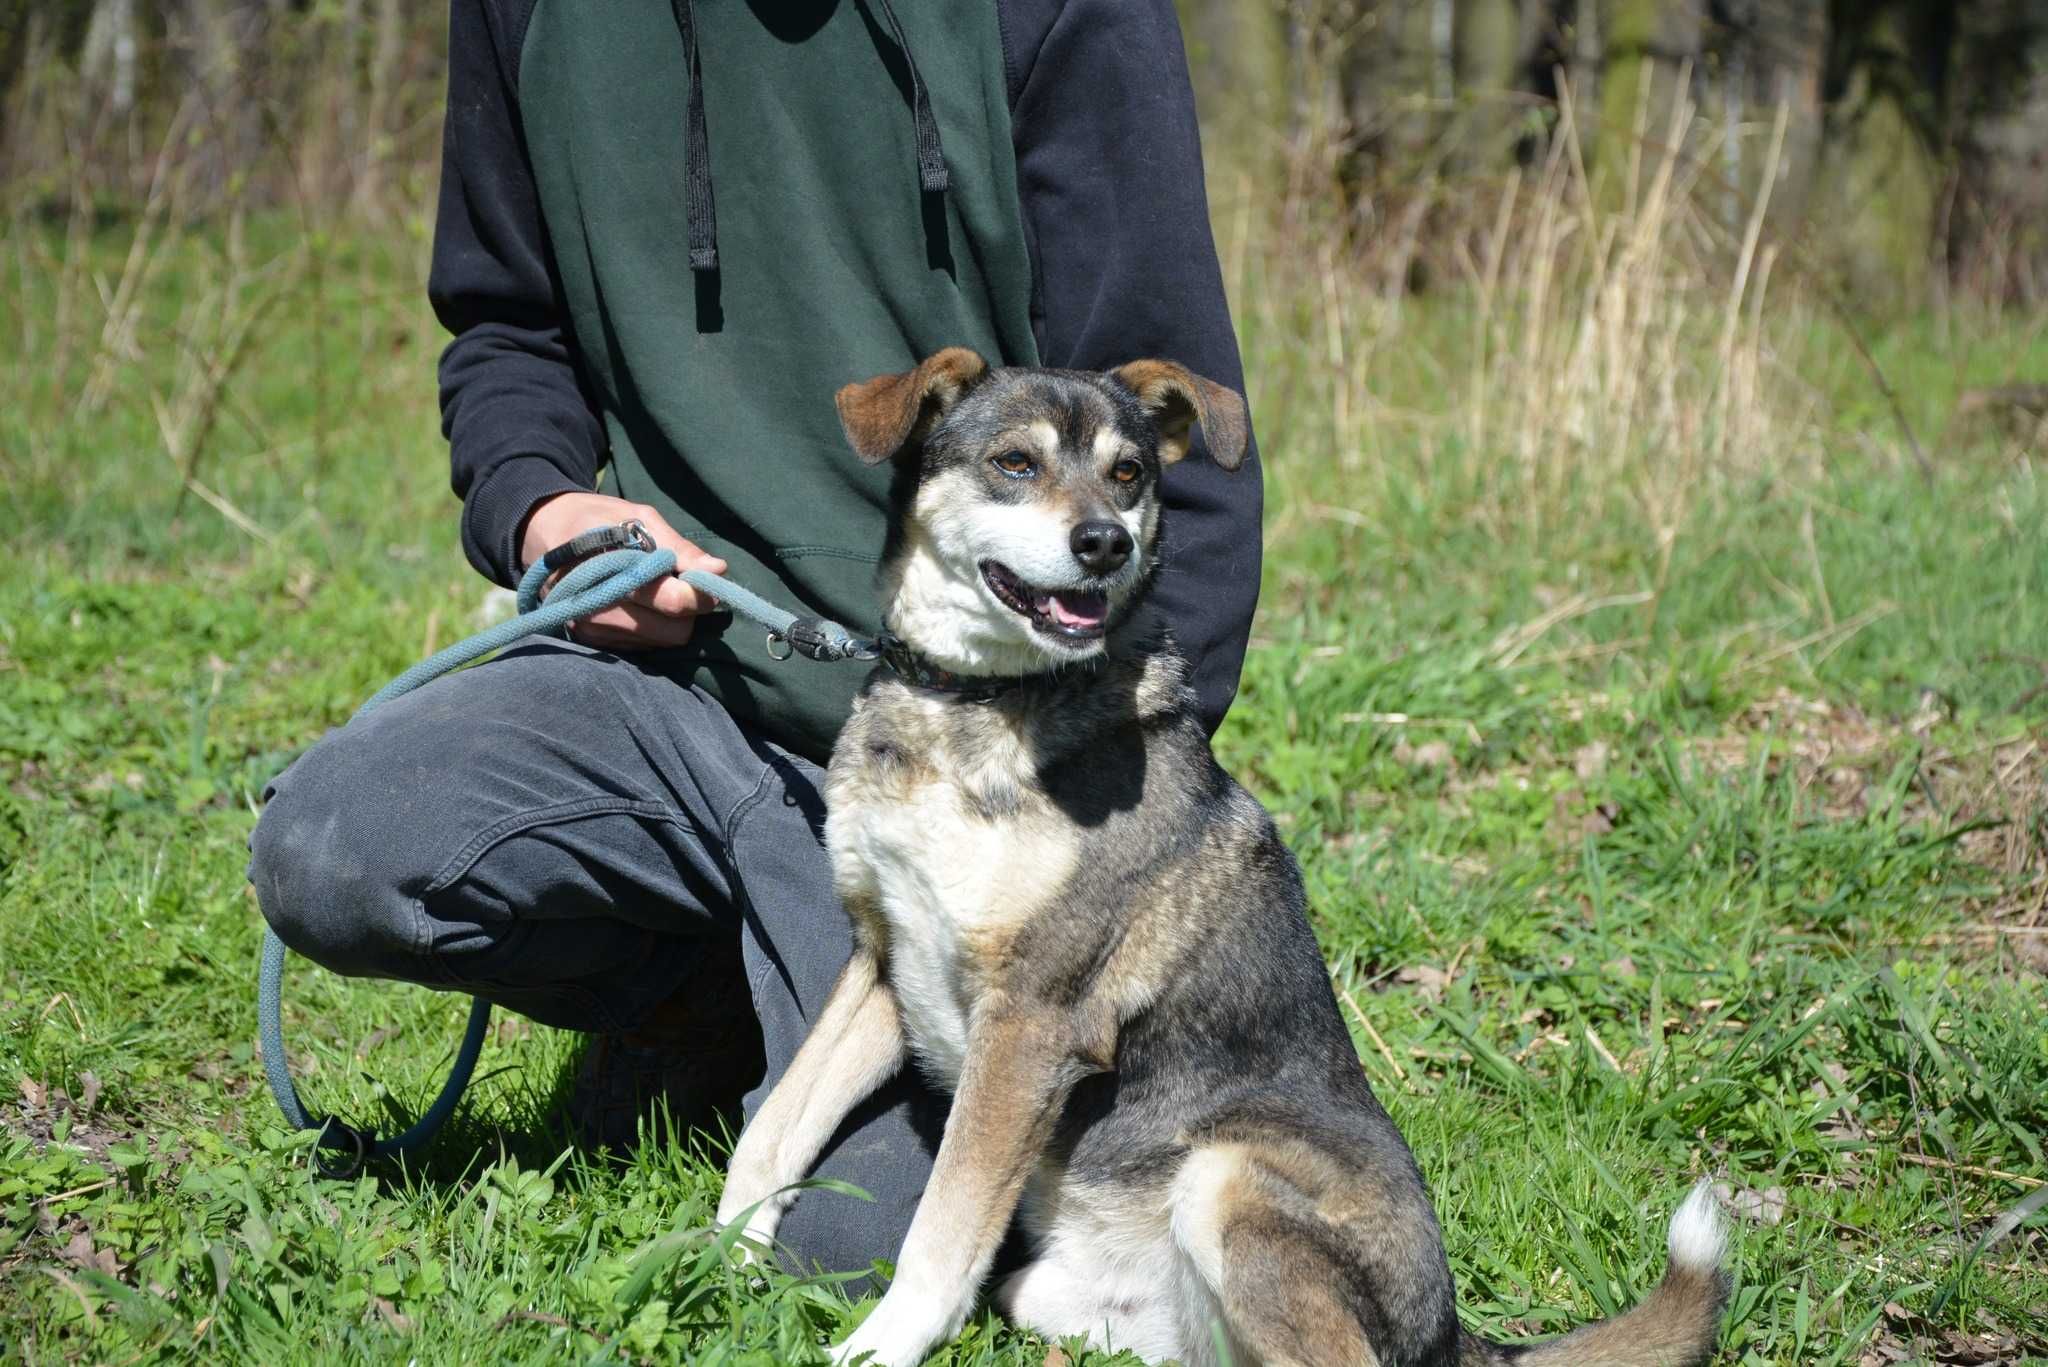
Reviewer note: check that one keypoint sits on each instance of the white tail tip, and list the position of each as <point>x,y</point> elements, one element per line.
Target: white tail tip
<point>1698,1240</point>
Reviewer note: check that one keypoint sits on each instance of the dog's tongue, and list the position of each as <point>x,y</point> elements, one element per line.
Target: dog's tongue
<point>1072,609</point>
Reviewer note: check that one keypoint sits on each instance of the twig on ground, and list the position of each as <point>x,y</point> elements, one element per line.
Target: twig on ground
<point>1922,1160</point>
<point>1841,633</point>
<point>1510,644</point>
<point>86,1190</point>
<point>1400,1074</point>
<point>517,1316</point>
<point>1600,1048</point>
<point>240,520</point>
<point>1472,732</point>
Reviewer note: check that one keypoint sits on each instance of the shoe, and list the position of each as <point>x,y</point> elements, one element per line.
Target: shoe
<point>698,1052</point>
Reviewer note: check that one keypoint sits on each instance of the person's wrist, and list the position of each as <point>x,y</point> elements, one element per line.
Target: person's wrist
<point>543,530</point>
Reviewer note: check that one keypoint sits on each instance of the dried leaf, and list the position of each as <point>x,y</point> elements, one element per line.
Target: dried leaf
<point>79,1252</point>
<point>1432,754</point>
<point>1429,982</point>
<point>1766,1207</point>
<point>375,1038</point>
<point>1600,820</point>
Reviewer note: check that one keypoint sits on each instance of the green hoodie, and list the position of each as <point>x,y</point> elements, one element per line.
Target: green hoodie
<point>575,261</point>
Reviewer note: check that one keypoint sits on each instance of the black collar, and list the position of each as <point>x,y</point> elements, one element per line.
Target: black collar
<point>915,669</point>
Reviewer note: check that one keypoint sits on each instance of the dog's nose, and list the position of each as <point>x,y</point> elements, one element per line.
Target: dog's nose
<point>1101,547</point>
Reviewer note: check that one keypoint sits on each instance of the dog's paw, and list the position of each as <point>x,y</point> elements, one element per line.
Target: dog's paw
<point>760,1205</point>
<point>753,1212</point>
<point>757,1236</point>
<point>898,1333</point>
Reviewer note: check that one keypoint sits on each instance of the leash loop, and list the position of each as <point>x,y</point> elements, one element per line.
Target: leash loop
<point>599,569</point>
<point>341,1169</point>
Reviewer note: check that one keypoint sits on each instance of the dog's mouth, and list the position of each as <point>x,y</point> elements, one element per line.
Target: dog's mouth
<point>1075,614</point>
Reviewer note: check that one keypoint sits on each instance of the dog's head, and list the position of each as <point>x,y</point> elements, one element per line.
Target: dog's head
<point>1027,501</point>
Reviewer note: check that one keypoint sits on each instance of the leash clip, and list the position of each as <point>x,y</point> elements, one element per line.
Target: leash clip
<point>349,1165</point>
<point>631,534</point>
<point>788,647</point>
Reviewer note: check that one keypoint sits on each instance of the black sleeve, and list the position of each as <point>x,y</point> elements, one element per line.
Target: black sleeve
<point>1109,168</point>
<point>513,408</point>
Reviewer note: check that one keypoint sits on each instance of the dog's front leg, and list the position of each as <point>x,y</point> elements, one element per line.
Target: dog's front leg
<point>856,1046</point>
<point>1021,1063</point>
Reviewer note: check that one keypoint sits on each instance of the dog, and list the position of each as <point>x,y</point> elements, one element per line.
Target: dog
<point>1077,924</point>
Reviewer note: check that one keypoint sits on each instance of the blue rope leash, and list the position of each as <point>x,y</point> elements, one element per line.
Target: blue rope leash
<point>589,586</point>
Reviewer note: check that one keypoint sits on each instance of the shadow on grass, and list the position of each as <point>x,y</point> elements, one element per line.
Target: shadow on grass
<point>532,1124</point>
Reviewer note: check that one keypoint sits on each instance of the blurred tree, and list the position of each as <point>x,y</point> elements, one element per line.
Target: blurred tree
<point>1646,48</point>
<point>1237,55</point>
<point>1881,176</point>
<point>1486,50</point>
<point>108,60</point>
<point>1773,52</point>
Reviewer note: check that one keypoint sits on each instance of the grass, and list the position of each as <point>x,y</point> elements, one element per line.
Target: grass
<point>1655,825</point>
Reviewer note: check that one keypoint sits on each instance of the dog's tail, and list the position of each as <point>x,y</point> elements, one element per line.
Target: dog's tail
<point>1676,1326</point>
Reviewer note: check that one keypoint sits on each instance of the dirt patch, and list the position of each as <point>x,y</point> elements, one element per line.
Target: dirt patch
<point>1995,792</point>
<point>1905,1336</point>
<point>38,1112</point>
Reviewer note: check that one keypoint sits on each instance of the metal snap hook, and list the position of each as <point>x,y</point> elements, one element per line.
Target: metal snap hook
<point>787,649</point>
<point>637,531</point>
<point>341,1169</point>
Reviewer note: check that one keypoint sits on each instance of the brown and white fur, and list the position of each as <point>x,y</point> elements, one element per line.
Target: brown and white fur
<point>1075,922</point>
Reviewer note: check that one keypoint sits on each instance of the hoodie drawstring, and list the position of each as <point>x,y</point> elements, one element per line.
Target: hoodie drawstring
<point>701,209</point>
<point>702,212</point>
<point>931,156</point>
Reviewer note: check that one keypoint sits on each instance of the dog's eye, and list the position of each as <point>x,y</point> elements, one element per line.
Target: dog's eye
<point>1015,464</point>
<point>1125,471</point>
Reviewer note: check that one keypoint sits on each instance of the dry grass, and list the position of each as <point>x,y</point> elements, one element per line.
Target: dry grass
<point>1624,350</point>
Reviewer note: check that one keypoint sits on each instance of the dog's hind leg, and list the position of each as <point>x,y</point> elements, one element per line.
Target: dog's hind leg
<point>1299,1284</point>
<point>855,1046</point>
<point>1271,1293</point>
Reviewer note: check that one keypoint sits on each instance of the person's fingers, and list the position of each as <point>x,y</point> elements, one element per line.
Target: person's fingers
<point>633,626</point>
<point>689,555</point>
<point>673,596</point>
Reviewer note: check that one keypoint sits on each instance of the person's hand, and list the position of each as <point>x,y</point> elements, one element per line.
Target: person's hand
<point>660,614</point>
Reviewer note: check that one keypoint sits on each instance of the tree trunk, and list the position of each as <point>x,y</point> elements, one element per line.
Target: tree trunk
<point>1787,56</point>
<point>1237,56</point>
<point>380,123</point>
<point>1486,47</point>
<point>107,61</point>
<point>1883,165</point>
<point>1641,41</point>
<point>1396,77</point>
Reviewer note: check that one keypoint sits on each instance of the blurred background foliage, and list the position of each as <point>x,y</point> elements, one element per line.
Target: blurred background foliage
<point>1913,148</point>
<point>1914,152</point>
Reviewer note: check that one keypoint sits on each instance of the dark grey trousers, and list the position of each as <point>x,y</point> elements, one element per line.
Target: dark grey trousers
<point>562,831</point>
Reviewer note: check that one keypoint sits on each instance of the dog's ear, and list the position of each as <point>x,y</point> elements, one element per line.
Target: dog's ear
<point>882,415</point>
<point>1177,399</point>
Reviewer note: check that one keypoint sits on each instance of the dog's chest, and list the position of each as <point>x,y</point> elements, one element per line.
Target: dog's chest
<point>948,846</point>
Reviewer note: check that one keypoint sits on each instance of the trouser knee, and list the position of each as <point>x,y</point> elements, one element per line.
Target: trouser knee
<point>331,894</point>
